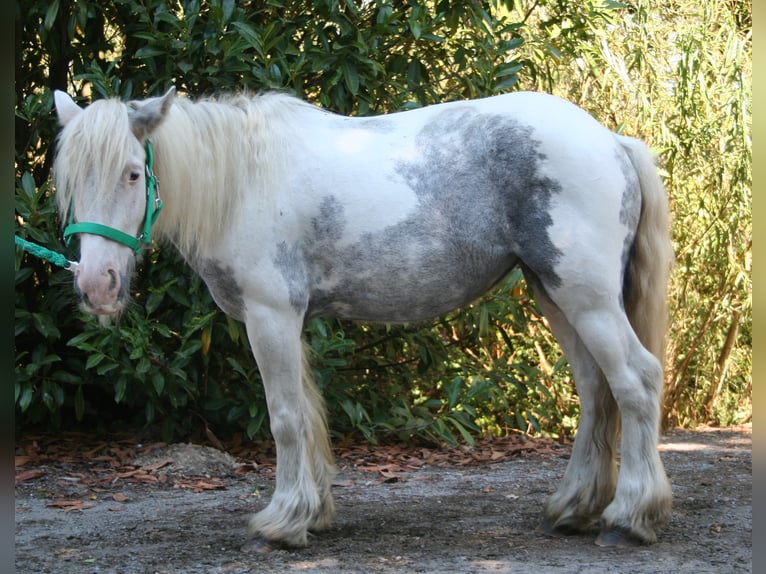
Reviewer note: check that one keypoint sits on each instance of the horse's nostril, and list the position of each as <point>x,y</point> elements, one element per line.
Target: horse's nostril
<point>112,279</point>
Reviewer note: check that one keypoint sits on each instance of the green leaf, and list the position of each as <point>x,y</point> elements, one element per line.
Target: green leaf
<point>94,360</point>
<point>233,328</point>
<point>415,28</point>
<point>149,412</point>
<point>106,367</point>
<point>79,403</point>
<point>51,14</point>
<point>119,389</point>
<point>26,397</point>
<point>46,326</point>
<point>28,185</point>
<point>254,424</point>
<point>66,377</point>
<point>143,366</point>
<point>150,52</point>
<point>158,382</point>
<point>414,73</point>
<point>320,327</point>
<point>250,36</point>
<point>79,340</point>
<point>228,9</point>
<point>505,85</point>
<point>463,431</point>
<point>483,321</point>
<point>453,391</point>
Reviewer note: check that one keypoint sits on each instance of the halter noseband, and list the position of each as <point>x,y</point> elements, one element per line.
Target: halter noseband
<point>153,208</point>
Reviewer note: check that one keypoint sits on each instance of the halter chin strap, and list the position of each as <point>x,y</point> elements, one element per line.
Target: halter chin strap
<point>153,208</point>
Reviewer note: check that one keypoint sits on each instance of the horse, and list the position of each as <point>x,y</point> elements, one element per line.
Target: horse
<point>289,211</point>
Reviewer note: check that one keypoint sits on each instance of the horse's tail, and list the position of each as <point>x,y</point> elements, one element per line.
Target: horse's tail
<point>652,255</point>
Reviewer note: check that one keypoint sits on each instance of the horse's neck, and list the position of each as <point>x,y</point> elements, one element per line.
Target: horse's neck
<point>210,159</point>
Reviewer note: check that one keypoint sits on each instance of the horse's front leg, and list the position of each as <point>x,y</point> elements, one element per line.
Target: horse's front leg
<point>302,500</point>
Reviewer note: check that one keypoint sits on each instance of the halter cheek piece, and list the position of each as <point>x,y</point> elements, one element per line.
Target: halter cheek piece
<point>153,208</point>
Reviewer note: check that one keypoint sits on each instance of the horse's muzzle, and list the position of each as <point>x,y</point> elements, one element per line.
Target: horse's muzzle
<point>101,293</point>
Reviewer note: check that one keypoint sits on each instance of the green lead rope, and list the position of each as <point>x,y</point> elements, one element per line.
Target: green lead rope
<point>44,253</point>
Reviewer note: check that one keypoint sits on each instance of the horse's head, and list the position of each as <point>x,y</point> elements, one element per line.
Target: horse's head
<point>101,181</point>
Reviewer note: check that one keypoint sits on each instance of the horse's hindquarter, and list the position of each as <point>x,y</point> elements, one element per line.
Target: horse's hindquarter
<point>408,216</point>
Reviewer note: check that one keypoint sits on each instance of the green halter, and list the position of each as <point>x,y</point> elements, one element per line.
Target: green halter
<point>153,208</point>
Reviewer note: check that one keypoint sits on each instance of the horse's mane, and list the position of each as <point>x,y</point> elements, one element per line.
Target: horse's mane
<point>208,153</point>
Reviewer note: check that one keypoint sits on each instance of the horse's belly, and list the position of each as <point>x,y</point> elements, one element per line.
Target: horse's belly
<point>391,293</point>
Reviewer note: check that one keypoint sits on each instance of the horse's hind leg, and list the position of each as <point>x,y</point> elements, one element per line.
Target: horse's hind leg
<point>591,476</point>
<point>642,499</point>
<point>302,500</point>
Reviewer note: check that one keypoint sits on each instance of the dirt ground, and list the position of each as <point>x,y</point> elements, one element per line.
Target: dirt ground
<point>109,507</point>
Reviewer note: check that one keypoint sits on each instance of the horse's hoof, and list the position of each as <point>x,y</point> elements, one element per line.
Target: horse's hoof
<point>566,527</point>
<point>618,537</point>
<point>261,546</point>
<point>558,530</point>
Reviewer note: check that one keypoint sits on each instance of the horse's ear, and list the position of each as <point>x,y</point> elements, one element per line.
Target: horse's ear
<point>66,109</point>
<point>148,114</point>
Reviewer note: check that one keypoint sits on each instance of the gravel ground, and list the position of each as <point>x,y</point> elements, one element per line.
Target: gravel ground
<point>446,519</point>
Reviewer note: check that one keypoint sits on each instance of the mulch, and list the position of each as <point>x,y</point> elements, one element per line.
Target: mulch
<point>105,463</point>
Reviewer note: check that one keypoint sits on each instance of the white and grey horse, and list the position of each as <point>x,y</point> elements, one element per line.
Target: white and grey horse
<point>289,212</point>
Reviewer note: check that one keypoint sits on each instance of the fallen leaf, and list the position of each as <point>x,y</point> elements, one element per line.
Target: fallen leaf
<point>68,505</point>
<point>82,507</point>
<point>200,485</point>
<point>129,473</point>
<point>146,478</point>
<point>29,474</point>
<point>156,465</point>
<point>117,497</point>
<point>22,460</point>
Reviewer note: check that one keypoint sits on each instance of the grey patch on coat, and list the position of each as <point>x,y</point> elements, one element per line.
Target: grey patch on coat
<point>630,214</point>
<point>223,286</point>
<point>630,210</point>
<point>484,173</point>
<point>483,206</point>
<point>326,228</point>
<point>289,261</point>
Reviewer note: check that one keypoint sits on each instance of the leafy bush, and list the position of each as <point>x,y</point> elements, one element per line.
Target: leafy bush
<point>174,359</point>
<point>688,69</point>
<point>177,363</point>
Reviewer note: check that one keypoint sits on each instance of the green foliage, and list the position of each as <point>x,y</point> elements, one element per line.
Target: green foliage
<point>174,360</point>
<point>471,373</point>
<point>686,68</point>
<point>178,364</point>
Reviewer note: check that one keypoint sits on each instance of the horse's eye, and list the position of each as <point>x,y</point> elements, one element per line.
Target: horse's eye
<point>134,176</point>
